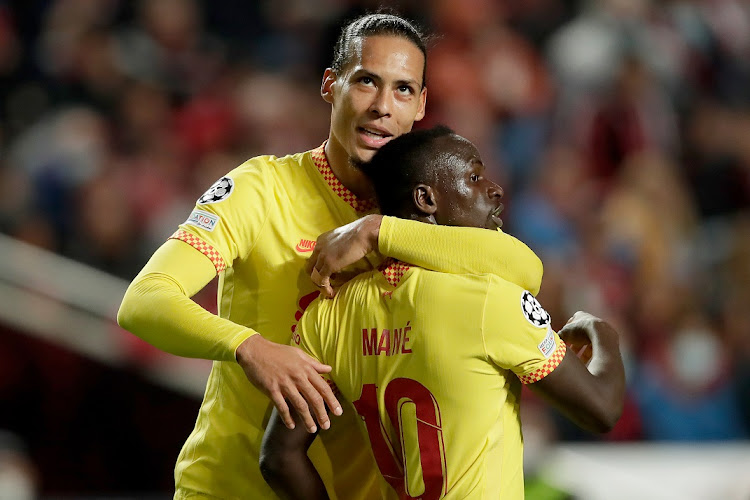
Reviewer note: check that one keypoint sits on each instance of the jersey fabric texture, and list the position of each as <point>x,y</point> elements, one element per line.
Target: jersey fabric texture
<point>434,365</point>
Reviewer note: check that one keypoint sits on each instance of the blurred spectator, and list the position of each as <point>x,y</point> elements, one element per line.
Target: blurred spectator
<point>685,391</point>
<point>271,123</point>
<point>10,47</point>
<point>57,156</point>
<point>737,330</point>
<point>633,118</point>
<point>652,243</point>
<point>169,48</point>
<point>546,214</point>
<point>713,159</point>
<point>106,235</point>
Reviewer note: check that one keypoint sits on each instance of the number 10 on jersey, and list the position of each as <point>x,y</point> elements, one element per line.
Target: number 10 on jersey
<point>402,397</point>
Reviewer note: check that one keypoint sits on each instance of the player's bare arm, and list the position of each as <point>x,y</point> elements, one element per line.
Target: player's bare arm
<point>590,395</point>
<point>284,462</point>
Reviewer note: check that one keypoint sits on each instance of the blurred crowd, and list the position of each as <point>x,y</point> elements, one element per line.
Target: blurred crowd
<point>619,129</point>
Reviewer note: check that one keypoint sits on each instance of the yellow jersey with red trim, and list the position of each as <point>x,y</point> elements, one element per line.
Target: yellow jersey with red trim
<point>258,225</point>
<point>434,364</point>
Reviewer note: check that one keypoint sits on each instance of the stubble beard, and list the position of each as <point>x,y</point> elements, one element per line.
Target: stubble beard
<point>356,163</point>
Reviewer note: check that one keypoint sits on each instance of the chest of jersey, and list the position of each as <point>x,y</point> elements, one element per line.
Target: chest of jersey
<point>269,289</point>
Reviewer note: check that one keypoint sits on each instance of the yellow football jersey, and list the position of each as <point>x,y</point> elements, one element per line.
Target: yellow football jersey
<point>258,225</point>
<point>433,364</point>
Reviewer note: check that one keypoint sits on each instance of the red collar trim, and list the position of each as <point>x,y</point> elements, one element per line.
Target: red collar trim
<point>393,270</point>
<point>321,162</point>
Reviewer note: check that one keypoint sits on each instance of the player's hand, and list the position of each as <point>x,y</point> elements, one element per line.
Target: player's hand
<point>342,247</point>
<point>584,332</point>
<point>577,334</point>
<point>286,373</point>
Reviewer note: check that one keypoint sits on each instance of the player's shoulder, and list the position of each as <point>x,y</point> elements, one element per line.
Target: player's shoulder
<point>324,317</point>
<point>353,293</point>
<point>463,280</point>
<point>358,290</point>
<point>282,171</point>
<point>255,166</point>
<point>249,176</point>
<point>499,296</point>
<point>272,162</point>
<point>496,284</point>
<point>354,298</point>
<point>483,283</point>
<point>514,303</point>
<point>250,171</point>
<point>258,173</point>
<point>500,290</point>
<point>447,290</point>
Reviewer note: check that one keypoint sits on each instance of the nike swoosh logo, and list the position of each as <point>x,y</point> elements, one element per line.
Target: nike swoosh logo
<point>305,246</point>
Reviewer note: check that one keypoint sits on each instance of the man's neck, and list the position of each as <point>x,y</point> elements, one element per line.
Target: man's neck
<point>427,219</point>
<point>408,214</point>
<point>347,173</point>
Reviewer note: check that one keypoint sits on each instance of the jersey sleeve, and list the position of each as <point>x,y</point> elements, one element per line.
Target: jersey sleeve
<point>229,216</point>
<point>308,337</point>
<point>461,250</point>
<point>158,309</point>
<point>517,333</point>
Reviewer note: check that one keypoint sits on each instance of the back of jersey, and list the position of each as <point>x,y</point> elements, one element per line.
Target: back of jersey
<point>407,349</point>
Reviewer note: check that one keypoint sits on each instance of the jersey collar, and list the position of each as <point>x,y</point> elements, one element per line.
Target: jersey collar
<point>321,162</point>
<point>393,270</point>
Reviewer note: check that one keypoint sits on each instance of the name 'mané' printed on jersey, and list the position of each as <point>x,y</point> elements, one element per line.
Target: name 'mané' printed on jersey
<point>388,342</point>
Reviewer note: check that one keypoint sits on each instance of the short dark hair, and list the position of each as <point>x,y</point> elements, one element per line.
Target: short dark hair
<point>403,163</point>
<point>385,24</point>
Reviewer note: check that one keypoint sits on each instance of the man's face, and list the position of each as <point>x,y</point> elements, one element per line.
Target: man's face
<point>464,196</point>
<point>376,97</point>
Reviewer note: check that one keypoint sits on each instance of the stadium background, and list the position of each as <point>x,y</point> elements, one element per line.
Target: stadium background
<point>620,130</point>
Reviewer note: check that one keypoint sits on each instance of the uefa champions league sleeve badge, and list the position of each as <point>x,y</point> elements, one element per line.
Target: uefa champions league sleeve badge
<point>219,191</point>
<point>533,311</point>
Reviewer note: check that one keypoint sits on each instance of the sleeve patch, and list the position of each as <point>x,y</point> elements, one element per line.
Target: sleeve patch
<point>219,191</point>
<point>202,247</point>
<point>547,368</point>
<point>533,311</point>
<point>203,220</point>
<point>547,346</point>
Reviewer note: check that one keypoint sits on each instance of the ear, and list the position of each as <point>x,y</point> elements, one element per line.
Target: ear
<point>425,199</point>
<point>327,85</point>
<point>422,104</point>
